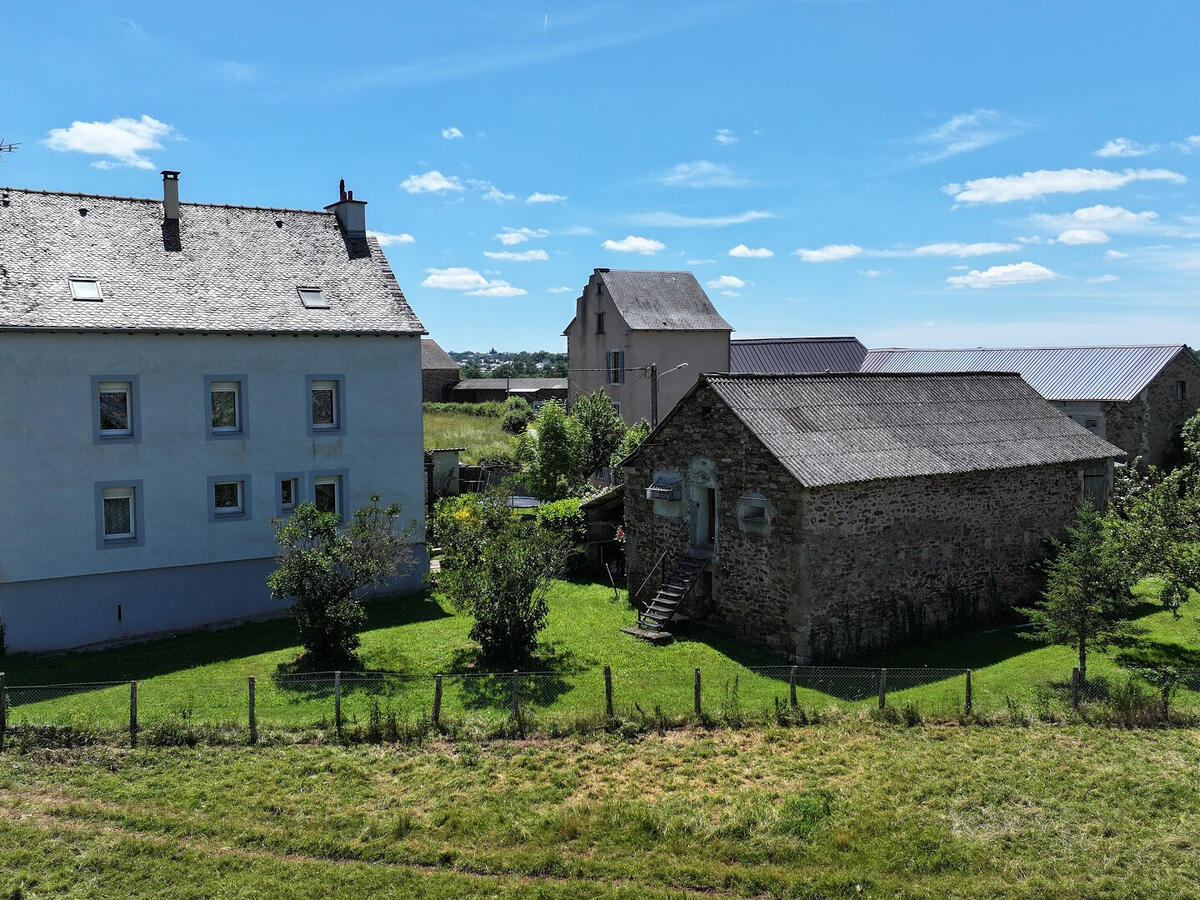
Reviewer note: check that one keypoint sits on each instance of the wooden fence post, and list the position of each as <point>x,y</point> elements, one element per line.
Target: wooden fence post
<point>1166,700</point>
<point>3,709</point>
<point>967,707</point>
<point>250,684</point>
<point>1075,688</point>
<point>792,686</point>
<point>882,688</point>
<point>516,695</point>
<point>337,702</point>
<point>437,700</point>
<point>133,715</point>
<point>696,692</point>
<point>608,701</point>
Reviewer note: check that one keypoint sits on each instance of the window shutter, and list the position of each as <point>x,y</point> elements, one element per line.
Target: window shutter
<point>621,365</point>
<point>608,366</point>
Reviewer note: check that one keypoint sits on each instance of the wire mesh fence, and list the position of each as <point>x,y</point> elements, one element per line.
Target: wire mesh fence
<point>350,704</point>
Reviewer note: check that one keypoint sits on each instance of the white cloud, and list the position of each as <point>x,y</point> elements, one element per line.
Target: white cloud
<point>1115,254</point>
<point>741,251</point>
<point>235,72</point>
<point>702,174</point>
<point>460,278</point>
<point>386,240</point>
<point>1103,279</point>
<point>726,283</point>
<point>871,273</point>
<point>496,195</point>
<point>432,182</point>
<point>675,220</point>
<point>517,256</point>
<point>1032,185</point>
<point>725,136</point>
<point>967,131</point>
<point>828,253</point>
<point>1189,144</point>
<point>1002,276</point>
<point>1125,147</point>
<point>511,236</point>
<point>538,197</point>
<point>561,289</point>
<point>122,139</point>
<point>635,244</point>
<point>498,289</point>
<point>451,133</point>
<point>1100,216</point>
<point>699,262</point>
<point>955,248</point>
<point>1083,236</point>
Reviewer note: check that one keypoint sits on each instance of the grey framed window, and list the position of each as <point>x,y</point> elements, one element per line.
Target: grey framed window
<point>86,289</point>
<point>119,520</point>
<point>614,363</point>
<point>225,406</point>
<point>288,487</point>
<point>329,491</point>
<point>313,298</point>
<point>115,409</point>
<point>325,397</point>
<point>228,497</point>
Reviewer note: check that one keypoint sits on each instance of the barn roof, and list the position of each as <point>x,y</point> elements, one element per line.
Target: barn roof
<point>1057,373</point>
<point>434,357</point>
<point>661,301</point>
<point>512,384</point>
<point>843,428</point>
<point>222,268</point>
<point>793,355</point>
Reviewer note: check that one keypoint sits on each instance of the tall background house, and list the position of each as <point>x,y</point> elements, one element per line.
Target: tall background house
<point>178,375</point>
<point>627,321</point>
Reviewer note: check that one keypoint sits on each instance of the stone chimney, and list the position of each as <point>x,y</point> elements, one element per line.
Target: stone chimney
<point>170,195</point>
<point>351,214</point>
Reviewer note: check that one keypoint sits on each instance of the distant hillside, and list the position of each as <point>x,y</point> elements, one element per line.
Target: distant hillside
<point>499,364</point>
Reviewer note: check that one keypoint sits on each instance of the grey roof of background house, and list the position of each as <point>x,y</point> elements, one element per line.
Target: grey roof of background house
<point>434,357</point>
<point>513,384</point>
<point>1057,373</point>
<point>661,301</point>
<point>843,428</point>
<point>791,355</point>
<point>224,269</point>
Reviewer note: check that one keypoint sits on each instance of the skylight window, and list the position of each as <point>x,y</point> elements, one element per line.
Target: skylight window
<point>313,298</point>
<point>86,289</point>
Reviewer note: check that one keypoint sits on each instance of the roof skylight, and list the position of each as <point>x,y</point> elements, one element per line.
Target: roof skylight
<point>313,298</point>
<point>86,289</point>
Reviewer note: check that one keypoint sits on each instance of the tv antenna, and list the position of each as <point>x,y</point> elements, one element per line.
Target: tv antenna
<point>7,146</point>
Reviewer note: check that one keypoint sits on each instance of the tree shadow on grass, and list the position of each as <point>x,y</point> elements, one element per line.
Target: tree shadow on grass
<point>542,677</point>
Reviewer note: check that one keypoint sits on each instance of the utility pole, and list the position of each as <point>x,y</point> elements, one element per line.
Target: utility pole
<point>653,395</point>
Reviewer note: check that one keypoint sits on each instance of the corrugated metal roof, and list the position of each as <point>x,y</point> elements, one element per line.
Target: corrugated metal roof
<point>434,357</point>
<point>1057,373</point>
<point>515,384</point>
<point>796,355</point>
<point>661,301</point>
<point>843,428</point>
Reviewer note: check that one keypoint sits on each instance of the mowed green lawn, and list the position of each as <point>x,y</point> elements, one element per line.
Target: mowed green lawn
<point>477,434</point>
<point>201,678</point>
<point>833,810</point>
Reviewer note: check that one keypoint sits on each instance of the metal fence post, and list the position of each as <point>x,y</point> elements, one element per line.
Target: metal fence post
<point>3,709</point>
<point>437,699</point>
<point>882,688</point>
<point>133,718</point>
<point>608,701</point>
<point>337,702</point>
<point>1075,688</point>
<point>792,686</point>
<point>967,706</point>
<point>250,684</point>
<point>516,695</point>
<point>696,691</point>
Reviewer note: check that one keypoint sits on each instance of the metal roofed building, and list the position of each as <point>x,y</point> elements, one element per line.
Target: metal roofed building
<point>179,374</point>
<point>485,390</point>
<point>796,355</point>
<point>827,514</point>
<point>1136,396</point>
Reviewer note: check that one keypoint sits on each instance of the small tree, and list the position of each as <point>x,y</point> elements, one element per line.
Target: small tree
<point>636,433</point>
<point>497,567</point>
<point>1087,600</point>
<point>601,431</point>
<point>553,456</point>
<point>517,415</point>
<point>325,569</point>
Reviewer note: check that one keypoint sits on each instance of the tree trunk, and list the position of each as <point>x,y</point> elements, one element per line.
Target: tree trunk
<point>1082,659</point>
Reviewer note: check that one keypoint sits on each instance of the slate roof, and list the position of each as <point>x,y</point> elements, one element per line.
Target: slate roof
<point>796,355</point>
<point>1057,373</point>
<point>434,357</point>
<point>661,301</point>
<point>514,384</point>
<point>845,428</point>
<point>223,268</point>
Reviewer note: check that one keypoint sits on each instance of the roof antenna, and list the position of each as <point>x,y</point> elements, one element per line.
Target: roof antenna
<point>8,147</point>
<point>341,188</point>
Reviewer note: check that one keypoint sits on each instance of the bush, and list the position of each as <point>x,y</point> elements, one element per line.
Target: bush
<point>489,410</point>
<point>503,460</point>
<point>517,415</point>
<point>565,519</point>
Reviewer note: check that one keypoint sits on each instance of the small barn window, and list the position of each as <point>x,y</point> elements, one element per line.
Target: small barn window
<point>754,514</point>
<point>86,289</point>
<point>1181,390</point>
<point>599,323</point>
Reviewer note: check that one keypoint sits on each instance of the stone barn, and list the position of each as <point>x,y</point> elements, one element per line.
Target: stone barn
<point>439,372</point>
<point>826,515</point>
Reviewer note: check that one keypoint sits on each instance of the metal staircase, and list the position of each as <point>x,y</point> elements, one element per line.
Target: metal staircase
<point>675,587</point>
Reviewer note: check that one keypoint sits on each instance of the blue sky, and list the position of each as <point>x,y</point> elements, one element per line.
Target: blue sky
<point>916,173</point>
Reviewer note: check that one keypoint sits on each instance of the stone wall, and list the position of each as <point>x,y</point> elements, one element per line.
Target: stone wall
<point>1148,425</point>
<point>436,382</point>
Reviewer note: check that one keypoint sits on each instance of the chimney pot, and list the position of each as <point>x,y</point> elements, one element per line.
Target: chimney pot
<point>170,195</point>
<point>351,214</point>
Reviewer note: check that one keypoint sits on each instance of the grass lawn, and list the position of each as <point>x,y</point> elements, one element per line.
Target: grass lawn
<point>201,678</point>
<point>478,434</point>
<point>817,811</point>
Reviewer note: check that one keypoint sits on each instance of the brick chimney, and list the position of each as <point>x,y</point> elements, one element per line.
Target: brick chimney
<point>351,214</point>
<point>170,195</point>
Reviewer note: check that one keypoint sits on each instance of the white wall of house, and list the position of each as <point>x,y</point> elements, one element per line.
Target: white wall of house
<point>60,582</point>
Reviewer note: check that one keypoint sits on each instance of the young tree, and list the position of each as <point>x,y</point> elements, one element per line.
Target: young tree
<point>553,456</point>
<point>1087,601</point>
<point>497,567</point>
<point>325,569</point>
<point>633,438</point>
<point>601,430</point>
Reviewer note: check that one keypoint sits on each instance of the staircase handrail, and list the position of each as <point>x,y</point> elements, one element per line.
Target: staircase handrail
<point>638,592</point>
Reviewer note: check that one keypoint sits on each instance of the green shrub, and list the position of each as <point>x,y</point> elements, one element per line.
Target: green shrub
<point>490,410</point>
<point>565,519</point>
<point>503,460</point>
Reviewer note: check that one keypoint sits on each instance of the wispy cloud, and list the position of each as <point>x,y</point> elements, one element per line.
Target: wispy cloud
<point>460,278</point>
<point>539,197</point>
<point>451,133</point>
<point>634,244</point>
<point>1002,276</point>
<point>512,236</point>
<point>741,251</point>
<point>1189,144</point>
<point>235,72</point>
<point>675,220</point>
<point>1115,254</point>
<point>1122,147</point>
<point>535,255</point>
<point>828,253</point>
<point>561,289</point>
<point>1100,216</point>
<point>966,132</point>
<point>870,273</point>
<point>725,136</point>
<point>122,140</point>
<point>961,250</point>
<point>1032,185</point>
<point>729,285</point>
<point>387,240</point>
<point>1103,279</point>
<point>431,182</point>
<point>702,174</point>
<point>493,193</point>
<point>1082,236</point>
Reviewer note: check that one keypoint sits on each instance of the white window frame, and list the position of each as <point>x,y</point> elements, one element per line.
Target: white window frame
<point>615,363</point>
<point>225,512</point>
<point>294,482</point>
<point>336,481</point>
<point>128,494</point>
<point>313,297</point>
<point>334,387</point>
<point>114,387</point>
<point>226,387</point>
<point>76,284</point>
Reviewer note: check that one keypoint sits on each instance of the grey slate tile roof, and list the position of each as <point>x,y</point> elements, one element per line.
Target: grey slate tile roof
<point>844,428</point>
<point>434,357</point>
<point>796,355</point>
<point>225,268</point>
<point>515,384</point>
<point>661,301</point>
<point>1057,373</point>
